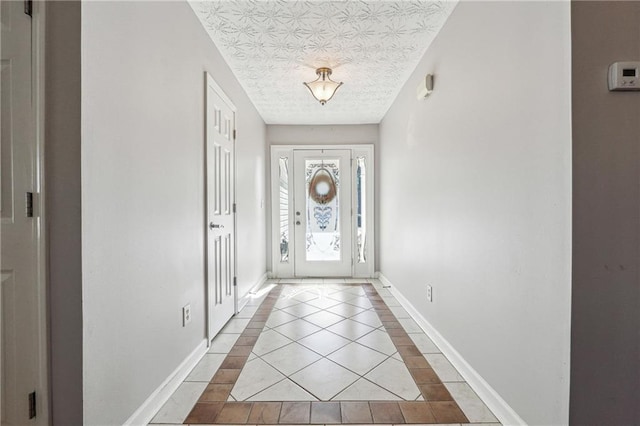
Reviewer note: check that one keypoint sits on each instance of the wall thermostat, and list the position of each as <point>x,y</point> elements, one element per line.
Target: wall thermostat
<point>624,76</point>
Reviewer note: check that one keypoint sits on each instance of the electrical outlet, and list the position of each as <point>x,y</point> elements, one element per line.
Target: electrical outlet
<point>186,315</point>
<point>429,293</point>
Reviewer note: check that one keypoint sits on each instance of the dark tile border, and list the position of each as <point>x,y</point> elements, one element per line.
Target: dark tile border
<point>438,405</point>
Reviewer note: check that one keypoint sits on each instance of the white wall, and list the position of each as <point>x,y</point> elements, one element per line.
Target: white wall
<point>143,211</point>
<point>320,135</point>
<point>475,197</point>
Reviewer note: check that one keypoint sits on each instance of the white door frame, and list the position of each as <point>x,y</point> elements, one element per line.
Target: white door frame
<point>38,20</point>
<point>210,82</point>
<point>285,269</point>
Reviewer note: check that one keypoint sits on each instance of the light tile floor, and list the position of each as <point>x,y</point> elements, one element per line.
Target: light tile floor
<point>323,341</point>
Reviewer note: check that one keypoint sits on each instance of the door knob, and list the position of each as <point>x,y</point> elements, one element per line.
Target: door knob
<point>297,222</point>
<point>215,226</point>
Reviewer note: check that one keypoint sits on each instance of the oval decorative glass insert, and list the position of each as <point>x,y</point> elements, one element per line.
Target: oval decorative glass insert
<point>322,188</point>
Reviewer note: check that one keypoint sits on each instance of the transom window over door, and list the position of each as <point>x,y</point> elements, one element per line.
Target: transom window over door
<point>322,211</point>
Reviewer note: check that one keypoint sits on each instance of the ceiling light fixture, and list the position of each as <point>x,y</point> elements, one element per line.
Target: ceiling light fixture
<point>323,88</point>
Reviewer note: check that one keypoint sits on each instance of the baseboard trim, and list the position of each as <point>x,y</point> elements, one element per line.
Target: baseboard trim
<point>263,279</point>
<point>242,302</point>
<point>143,415</point>
<point>491,398</point>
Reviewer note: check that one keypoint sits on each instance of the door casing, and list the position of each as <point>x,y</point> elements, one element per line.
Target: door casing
<point>285,269</point>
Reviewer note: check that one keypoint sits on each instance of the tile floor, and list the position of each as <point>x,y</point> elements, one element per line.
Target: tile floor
<point>324,351</point>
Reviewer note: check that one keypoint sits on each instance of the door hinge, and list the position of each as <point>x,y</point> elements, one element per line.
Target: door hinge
<point>235,281</point>
<point>28,201</point>
<point>234,134</point>
<point>32,405</point>
<point>28,7</point>
<point>234,207</point>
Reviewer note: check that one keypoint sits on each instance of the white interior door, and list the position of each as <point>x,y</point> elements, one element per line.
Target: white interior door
<point>220,208</point>
<point>20,316</point>
<point>322,213</point>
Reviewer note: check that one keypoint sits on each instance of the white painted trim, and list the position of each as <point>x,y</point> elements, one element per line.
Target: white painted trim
<point>286,269</point>
<point>263,279</point>
<point>38,21</point>
<point>316,147</point>
<point>489,396</point>
<point>216,88</point>
<point>153,404</point>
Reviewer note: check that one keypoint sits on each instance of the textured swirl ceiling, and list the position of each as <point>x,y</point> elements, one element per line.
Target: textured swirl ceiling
<point>273,46</point>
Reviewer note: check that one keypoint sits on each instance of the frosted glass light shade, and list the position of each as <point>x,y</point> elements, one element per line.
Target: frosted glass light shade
<point>323,88</point>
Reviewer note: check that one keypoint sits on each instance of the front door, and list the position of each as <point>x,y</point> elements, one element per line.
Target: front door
<point>220,208</point>
<point>322,215</point>
<point>20,315</point>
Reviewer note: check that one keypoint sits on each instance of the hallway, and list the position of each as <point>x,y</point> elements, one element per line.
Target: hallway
<point>503,217</point>
<point>324,351</point>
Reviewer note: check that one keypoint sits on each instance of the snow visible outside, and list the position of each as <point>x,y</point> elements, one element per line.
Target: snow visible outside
<point>323,246</point>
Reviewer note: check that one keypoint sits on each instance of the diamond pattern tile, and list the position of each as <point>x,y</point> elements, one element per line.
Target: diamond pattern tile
<point>332,289</point>
<point>350,329</point>
<point>345,310</point>
<point>323,319</point>
<point>361,302</point>
<point>278,318</point>
<point>394,376</point>
<point>305,294</point>
<point>320,357</point>
<point>255,377</point>
<point>291,358</point>
<point>323,302</point>
<point>357,358</point>
<point>324,379</point>
<point>297,329</point>
<point>285,303</point>
<point>357,290</point>
<point>286,390</point>
<point>268,341</point>
<point>301,310</point>
<point>343,296</point>
<point>364,390</point>
<point>378,340</point>
<point>324,342</point>
<point>369,318</point>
